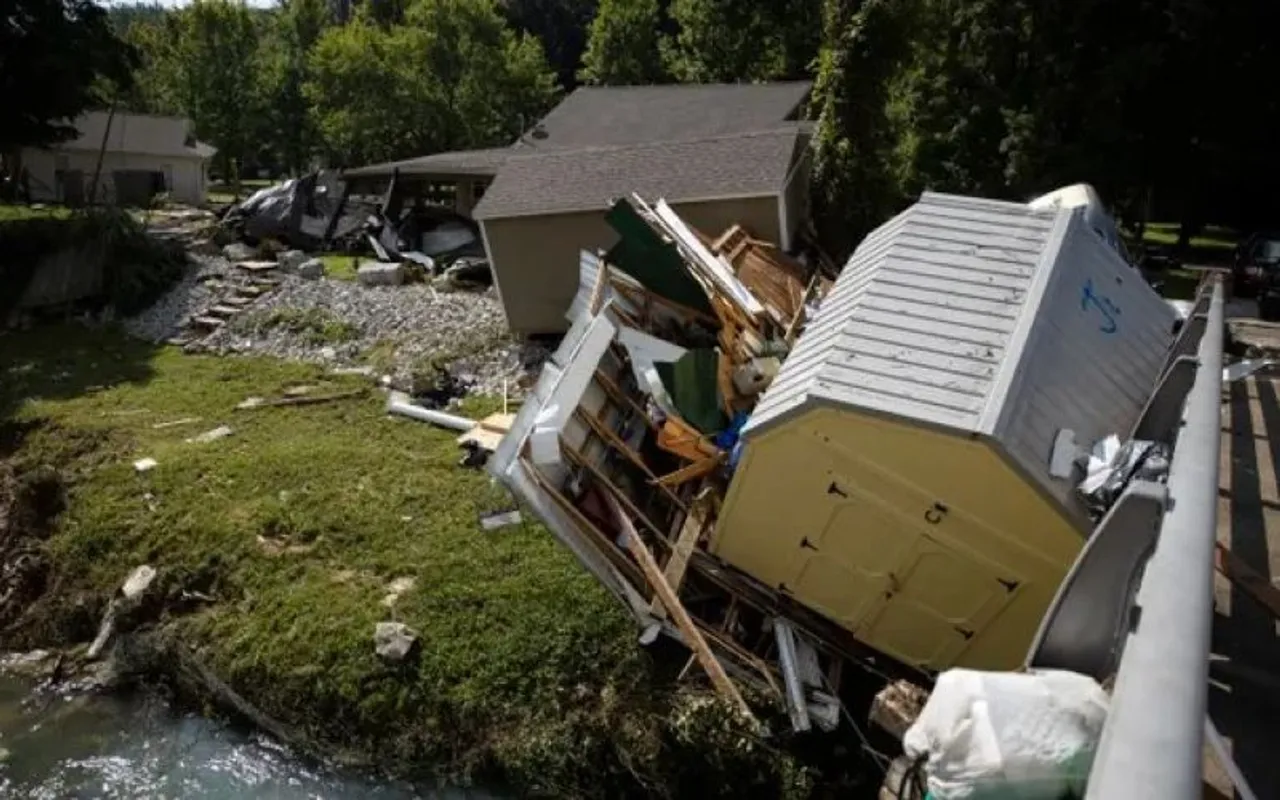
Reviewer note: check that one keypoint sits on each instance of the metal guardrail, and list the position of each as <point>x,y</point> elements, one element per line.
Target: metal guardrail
<point>1153,742</point>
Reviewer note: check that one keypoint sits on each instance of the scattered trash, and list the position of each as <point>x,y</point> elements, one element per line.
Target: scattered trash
<point>500,519</point>
<point>1112,466</point>
<point>239,252</point>
<point>397,588</point>
<point>394,641</point>
<point>127,596</point>
<point>377,273</point>
<point>1243,369</point>
<point>250,402</point>
<point>220,432</point>
<point>175,423</point>
<point>399,403</point>
<point>145,464</point>
<point>294,397</point>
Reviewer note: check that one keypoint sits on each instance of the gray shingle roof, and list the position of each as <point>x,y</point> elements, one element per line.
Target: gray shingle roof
<point>459,162</point>
<point>587,179</point>
<point>595,116</point>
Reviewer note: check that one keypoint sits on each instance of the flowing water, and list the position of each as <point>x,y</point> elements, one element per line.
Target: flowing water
<point>134,747</point>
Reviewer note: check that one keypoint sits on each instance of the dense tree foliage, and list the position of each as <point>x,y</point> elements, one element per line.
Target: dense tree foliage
<point>624,44</point>
<point>57,58</point>
<point>1159,103</point>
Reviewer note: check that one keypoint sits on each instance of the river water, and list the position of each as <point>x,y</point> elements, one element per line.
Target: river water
<point>55,748</point>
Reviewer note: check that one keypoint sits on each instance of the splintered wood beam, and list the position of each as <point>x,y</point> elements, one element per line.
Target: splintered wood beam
<point>690,472</point>
<point>612,439</point>
<point>581,460</point>
<point>637,295</point>
<point>695,522</point>
<point>597,291</point>
<point>692,636</point>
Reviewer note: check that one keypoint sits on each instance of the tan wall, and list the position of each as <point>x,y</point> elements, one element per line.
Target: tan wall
<point>535,259</point>
<point>797,197</point>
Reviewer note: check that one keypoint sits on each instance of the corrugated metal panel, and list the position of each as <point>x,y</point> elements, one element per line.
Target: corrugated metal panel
<point>1093,354</point>
<point>922,317</point>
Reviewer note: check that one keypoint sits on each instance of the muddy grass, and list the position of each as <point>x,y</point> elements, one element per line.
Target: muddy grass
<point>297,526</point>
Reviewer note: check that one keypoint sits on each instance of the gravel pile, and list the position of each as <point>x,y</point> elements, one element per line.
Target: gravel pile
<point>398,328</point>
<point>165,318</point>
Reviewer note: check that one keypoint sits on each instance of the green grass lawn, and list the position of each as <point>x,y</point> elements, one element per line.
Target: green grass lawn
<point>297,524</point>
<point>341,266</point>
<point>1214,237</point>
<point>16,212</point>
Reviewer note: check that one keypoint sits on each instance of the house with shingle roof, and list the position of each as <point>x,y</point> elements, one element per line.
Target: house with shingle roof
<point>718,153</point>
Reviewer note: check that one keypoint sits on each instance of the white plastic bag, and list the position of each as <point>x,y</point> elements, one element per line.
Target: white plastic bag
<point>1008,735</point>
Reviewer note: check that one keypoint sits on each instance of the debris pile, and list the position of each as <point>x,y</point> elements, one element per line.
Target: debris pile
<point>626,445</point>
<point>320,212</point>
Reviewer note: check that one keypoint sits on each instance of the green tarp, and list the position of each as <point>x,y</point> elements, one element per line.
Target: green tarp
<point>692,384</point>
<point>657,265</point>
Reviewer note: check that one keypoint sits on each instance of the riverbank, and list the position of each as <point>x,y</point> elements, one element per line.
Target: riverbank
<point>280,547</point>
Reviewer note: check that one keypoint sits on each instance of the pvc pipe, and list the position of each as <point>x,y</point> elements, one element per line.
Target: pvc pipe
<point>399,403</point>
<point>1153,742</point>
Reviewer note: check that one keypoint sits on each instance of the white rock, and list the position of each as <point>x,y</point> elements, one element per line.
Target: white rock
<point>376,273</point>
<point>220,432</point>
<point>239,251</point>
<point>290,260</point>
<point>138,582</point>
<point>311,269</point>
<point>394,641</point>
<point>145,464</point>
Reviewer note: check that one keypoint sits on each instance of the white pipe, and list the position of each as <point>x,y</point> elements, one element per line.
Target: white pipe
<point>399,403</point>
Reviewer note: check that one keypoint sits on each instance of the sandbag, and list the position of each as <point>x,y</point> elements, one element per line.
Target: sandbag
<point>1008,735</point>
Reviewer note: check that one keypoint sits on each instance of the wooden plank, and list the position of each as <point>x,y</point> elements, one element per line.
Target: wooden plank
<point>695,522</point>
<point>612,389</point>
<point>597,291</point>
<point>602,541</point>
<point>692,636</point>
<point>1234,569</point>
<point>612,439</point>
<point>690,472</point>
<point>579,458</point>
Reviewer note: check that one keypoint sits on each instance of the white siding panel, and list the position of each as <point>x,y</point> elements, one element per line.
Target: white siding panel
<point>918,322</point>
<point>1084,368</point>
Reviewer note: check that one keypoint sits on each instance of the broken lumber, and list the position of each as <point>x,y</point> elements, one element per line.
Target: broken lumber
<point>692,636</point>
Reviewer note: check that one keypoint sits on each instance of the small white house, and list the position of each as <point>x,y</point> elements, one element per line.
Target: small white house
<point>136,144</point>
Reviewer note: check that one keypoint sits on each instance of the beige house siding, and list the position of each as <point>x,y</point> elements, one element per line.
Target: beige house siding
<point>797,199</point>
<point>185,175</point>
<point>535,259</point>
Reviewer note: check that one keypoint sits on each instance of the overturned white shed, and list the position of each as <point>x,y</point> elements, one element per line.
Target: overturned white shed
<point>912,427</point>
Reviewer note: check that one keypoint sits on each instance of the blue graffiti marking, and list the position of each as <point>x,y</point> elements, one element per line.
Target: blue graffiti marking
<point>1108,309</point>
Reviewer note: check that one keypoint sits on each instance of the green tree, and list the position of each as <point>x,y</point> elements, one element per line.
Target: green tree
<point>289,131</point>
<point>57,59</point>
<point>622,46</point>
<point>855,183</point>
<point>721,41</point>
<point>561,26</point>
<point>454,76</point>
<point>211,63</point>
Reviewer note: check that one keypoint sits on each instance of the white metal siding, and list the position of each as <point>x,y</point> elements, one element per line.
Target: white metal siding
<point>921,318</point>
<point>1080,368</point>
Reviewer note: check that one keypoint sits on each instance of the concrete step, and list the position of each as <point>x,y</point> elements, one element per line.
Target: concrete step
<point>223,311</point>
<point>204,321</point>
<point>257,266</point>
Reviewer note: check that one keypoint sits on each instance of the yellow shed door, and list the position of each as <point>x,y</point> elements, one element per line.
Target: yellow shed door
<point>939,601</point>
<point>895,588</point>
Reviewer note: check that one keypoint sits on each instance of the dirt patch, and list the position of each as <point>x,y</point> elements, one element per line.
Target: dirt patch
<point>29,504</point>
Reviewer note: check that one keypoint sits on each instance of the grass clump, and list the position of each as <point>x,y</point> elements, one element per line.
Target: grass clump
<point>528,672</point>
<point>315,325</point>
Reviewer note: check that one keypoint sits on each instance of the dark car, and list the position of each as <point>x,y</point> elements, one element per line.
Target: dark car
<point>1257,259</point>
